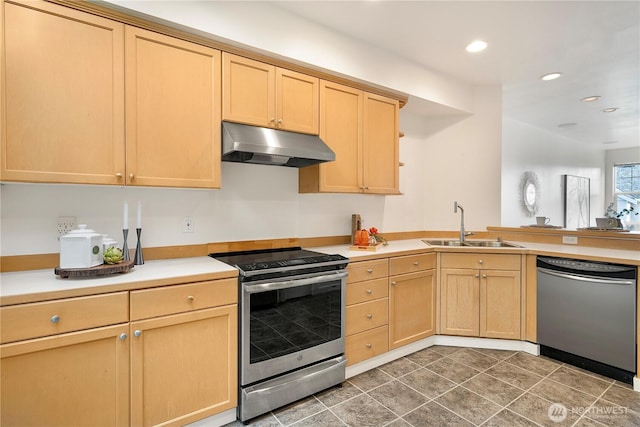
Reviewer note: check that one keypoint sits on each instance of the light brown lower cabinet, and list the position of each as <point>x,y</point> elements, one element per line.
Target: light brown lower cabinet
<point>73,379</point>
<point>183,366</point>
<point>367,312</point>
<point>159,356</point>
<point>412,295</point>
<point>411,307</point>
<point>484,302</point>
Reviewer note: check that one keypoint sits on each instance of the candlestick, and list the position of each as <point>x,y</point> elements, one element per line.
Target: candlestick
<point>138,259</point>
<point>125,248</point>
<point>139,223</point>
<point>125,216</point>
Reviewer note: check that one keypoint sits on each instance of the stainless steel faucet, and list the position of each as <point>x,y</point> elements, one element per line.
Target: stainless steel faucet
<point>456,206</point>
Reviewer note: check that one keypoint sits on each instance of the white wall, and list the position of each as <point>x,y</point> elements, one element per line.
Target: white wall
<point>526,148</point>
<point>264,26</point>
<point>447,158</point>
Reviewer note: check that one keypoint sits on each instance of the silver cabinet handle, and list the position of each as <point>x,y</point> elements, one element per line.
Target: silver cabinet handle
<point>394,283</point>
<point>119,175</point>
<point>55,318</point>
<point>368,345</point>
<point>477,275</point>
<point>369,291</point>
<point>137,333</point>
<point>370,270</point>
<point>131,176</point>
<point>369,316</point>
<point>484,276</point>
<point>480,261</point>
<point>123,336</point>
<point>190,298</point>
<point>416,263</point>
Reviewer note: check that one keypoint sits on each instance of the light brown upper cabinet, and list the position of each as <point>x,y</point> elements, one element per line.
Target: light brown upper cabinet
<point>380,148</point>
<point>63,93</point>
<point>261,94</point>
<point>362,129</point>
<point>173,115</point>
<point>65,102</point>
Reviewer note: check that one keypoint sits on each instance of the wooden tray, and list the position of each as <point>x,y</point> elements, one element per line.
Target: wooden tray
<point>365,248</point>
<point>99,270</point>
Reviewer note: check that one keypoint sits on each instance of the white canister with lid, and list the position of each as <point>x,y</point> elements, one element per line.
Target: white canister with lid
<point>81,248</point>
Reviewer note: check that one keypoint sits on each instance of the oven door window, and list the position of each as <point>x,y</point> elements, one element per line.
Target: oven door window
<point>288,320</point>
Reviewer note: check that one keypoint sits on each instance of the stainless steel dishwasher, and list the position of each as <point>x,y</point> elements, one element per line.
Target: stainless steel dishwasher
<point>587,315</point>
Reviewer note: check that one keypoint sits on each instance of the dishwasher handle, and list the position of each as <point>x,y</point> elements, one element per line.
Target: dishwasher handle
<point>583,278</point>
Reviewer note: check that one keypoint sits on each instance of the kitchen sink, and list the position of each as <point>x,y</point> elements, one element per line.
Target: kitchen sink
<point>490,244</point>
<point>472,243</point>
<point>444,242</point>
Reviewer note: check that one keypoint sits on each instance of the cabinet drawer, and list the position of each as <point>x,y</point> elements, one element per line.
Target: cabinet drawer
<point>182,298</point>
<point>25,321</point>
<point>411,263</point>
<point>480,260</point>
<point>366,270</point>
<point>367,315</point>
<point>367,344</point>
<point>367,291</point>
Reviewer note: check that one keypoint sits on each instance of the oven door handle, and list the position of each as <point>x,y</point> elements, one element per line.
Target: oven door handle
<point>272,286</point>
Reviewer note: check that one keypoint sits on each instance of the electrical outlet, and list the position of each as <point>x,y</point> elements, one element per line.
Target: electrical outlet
<point>570,240</point>
<point>187,224</point>
<point>65,225</point>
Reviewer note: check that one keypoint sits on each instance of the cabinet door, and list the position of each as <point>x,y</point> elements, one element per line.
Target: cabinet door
<point>184,366</point>
<point>341,130</point>
<point>75,379</point>
<point>500,304</point>
<point>380,150</point>
<point>248,91</point>
<point>173,111</point>
<point>411,307</point>
<point>459,302</point>
<point>297,101</point>
<point>63,96</point>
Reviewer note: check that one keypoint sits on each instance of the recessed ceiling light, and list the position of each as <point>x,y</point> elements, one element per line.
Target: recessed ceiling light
<point>590,98</point>
<point>610,142</point>
<point>610,110</point>
<point>550,76</point>
<point>567,125</point>
<point>476,46</point>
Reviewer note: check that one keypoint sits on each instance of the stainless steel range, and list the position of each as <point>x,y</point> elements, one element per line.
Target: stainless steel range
<point>291,325</point>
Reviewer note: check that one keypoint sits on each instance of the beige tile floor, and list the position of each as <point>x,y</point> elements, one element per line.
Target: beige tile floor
<point>453,386</point>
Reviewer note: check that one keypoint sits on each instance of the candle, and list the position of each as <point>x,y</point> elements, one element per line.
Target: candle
<point>125,216</point>
<point>139,215</point>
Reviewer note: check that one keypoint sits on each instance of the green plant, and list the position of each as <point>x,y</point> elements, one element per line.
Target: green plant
<point>612,213</point>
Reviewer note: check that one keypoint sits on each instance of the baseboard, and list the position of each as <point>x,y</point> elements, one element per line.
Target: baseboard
<point>217,420</point>
<point>447,340</point>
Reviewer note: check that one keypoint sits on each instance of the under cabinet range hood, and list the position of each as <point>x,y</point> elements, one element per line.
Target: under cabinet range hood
<point>252,144</point>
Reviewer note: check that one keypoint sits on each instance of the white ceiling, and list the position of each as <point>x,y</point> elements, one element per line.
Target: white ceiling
<point>595,44</point>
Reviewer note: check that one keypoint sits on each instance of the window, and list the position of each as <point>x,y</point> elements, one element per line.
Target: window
<point>626,190</point>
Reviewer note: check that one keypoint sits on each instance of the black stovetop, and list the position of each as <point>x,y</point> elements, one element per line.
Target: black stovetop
<point>279,261</point>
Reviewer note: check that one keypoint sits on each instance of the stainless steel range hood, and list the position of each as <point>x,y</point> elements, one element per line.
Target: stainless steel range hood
<point>252,144</point>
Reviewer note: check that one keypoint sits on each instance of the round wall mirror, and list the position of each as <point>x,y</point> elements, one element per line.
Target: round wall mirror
<point>530,193</point>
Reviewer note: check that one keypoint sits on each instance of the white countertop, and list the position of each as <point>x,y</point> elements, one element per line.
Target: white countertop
<point>397,247</point>
<point>40,285</point>
<point>23,286</point>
